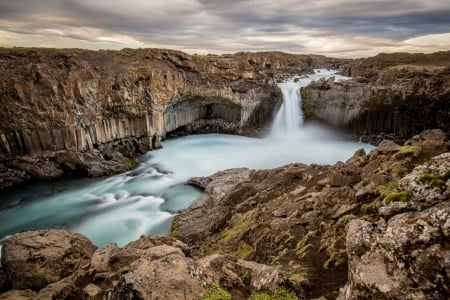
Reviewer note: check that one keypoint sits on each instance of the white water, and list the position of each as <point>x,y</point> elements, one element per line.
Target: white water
<point>143,201</point>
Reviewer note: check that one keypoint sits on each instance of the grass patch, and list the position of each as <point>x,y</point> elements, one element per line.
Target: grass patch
<point>243,250</point>
<point>216,292</point>
<point>387,188</point>
<point>280,294</point>
<point>403,196</point>
<point>410,150</point>
<point>302,246</point>
<point>432,180</point>
<point>175,227</point>
<point>345,219</point>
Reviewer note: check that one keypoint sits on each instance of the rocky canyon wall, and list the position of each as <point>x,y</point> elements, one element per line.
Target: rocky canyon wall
<point>75,111</point>
<point>394,95</point>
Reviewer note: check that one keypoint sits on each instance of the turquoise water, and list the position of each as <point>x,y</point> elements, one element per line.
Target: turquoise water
<point>121,208</point>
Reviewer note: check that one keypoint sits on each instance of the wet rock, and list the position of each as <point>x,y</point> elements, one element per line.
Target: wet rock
<point>32,260</point>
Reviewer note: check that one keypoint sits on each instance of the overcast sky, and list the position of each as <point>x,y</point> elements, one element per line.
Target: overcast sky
<point>338,28</point>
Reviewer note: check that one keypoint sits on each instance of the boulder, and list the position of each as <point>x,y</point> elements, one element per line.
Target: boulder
<point>34,259</point>
<point>406,259</point>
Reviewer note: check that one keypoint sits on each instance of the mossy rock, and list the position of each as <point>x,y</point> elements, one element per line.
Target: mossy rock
<point>216,292</point>
<point>432,180</point>
<point>403,196</point>
<point>280,294</point>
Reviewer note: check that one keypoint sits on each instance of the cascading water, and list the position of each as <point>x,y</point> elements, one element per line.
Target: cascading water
<point>144,200</point>
<point>290,117</point>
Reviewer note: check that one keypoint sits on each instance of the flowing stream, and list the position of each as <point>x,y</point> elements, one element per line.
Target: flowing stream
<point>121,208</point>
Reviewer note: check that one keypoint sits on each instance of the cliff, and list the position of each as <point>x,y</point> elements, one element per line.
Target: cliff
<point>373,227</point>
<point>394,95</point>
<point>79,112</point>
<point>75,111</point>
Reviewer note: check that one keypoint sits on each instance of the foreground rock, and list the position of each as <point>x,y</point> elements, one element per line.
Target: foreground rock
<point>32,260</point>
<point>297,218</point>
<point>56,264</point>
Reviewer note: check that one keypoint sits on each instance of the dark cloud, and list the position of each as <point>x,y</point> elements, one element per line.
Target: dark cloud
<point>221,26</point>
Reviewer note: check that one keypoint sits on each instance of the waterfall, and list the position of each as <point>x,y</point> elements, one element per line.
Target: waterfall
<point>289,119</point>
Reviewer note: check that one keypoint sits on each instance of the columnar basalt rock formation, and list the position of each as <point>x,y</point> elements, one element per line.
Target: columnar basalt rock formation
<point>395,95</point>
<point>86,112</point>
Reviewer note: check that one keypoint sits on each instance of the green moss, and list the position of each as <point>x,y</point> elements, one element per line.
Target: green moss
<point>410,150</point>
<point>326,264</point>
<point>175,227</point>
<point>398,171</point>
<point>369,208</point>
<point>387,188</point>
<point>280,294</point>
<point>345,219</point>
<point>302,246</point>
<point>216,292</point>
<point>403,196</point>
<point>230,236</point>
<point>432,180</point>
<point>243,250</point>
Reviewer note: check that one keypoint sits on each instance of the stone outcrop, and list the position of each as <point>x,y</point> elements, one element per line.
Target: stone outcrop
<point>34,259</point>
<point>153,267</point>
<point>329,226</point>
<point>81,112</point>
<point>393,96</point>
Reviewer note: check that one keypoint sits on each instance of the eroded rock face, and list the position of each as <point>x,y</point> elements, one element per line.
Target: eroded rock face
<point>393,96</point>
<point>32,260</point>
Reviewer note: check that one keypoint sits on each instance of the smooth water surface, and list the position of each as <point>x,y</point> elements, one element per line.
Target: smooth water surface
<point>143,201</point>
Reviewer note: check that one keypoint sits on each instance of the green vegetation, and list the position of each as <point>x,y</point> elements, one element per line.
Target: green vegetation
<point>302,247</point>
<point>326,264</point>
<point>369,208</point>
<point>243,250</point>
<point>280,294</point>
<point>216,292</point>
<point>387,188</point>
<point>231,235</point>
<point>403,196</point>
<point>410,150</point>
<point>175,227</point>
<point>432,180</point>
<point>345,219</point>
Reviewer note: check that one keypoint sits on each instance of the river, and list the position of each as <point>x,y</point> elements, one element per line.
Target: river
<point>121,208</point>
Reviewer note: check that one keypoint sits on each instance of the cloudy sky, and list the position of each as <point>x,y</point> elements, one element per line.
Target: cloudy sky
<point>339,28</point>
